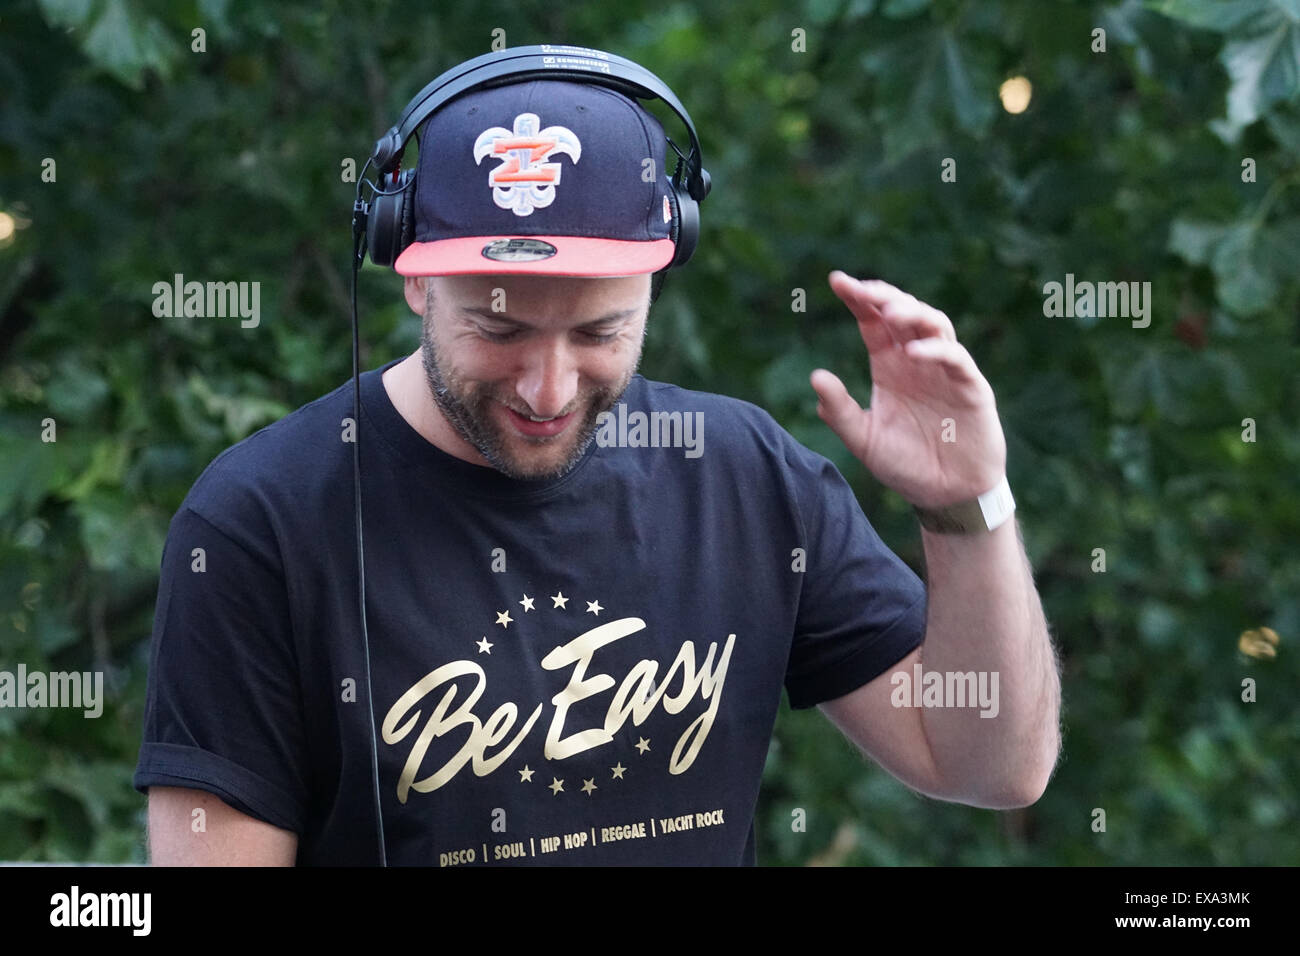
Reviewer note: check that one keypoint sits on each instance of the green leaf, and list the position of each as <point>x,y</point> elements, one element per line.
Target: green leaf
<point>1232,377</point>
<point>21,799</point>
<point>1222,16</point>
<point>1243,286</point>
<point>118,535</point>
<point>33,469</point>
<point>216,12</point>
<point>900,9</point>
<point>76,389</point>
<point>908,109</point>
<point>972,104</point>
<point>1158,624</point>
<point>125,43</point>
<point>1195,241</point>
<point>785,381</point>
<point>1284,124</point>
<point>68,13</point>
<point>1261,55</point>
<point>1264,70</point>
<point>242,414</point>
<point>107,464</point>
<point>53,633</point>
<point>95,785</point>
<point>822,12</point>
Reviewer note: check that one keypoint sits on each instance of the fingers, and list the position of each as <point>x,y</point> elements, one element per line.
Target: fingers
<point>900,316</point>
<point>876,335</point>
<point>838,409</point>
<point>951,355</point>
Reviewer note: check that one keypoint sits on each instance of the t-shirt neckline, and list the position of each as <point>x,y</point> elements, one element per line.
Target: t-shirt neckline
<point>416,451</point>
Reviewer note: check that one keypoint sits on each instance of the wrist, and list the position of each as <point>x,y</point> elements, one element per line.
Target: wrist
<point>979,515</point>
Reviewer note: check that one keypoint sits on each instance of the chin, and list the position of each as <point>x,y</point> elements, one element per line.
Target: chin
<point>526,460</point>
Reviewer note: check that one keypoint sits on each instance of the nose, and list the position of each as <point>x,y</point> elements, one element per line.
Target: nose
<point>549,380</point>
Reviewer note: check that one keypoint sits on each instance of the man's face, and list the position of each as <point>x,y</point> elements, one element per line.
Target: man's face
<point>501,350</point>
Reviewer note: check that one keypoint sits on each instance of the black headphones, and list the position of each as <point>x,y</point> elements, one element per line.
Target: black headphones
<point>388,219</point>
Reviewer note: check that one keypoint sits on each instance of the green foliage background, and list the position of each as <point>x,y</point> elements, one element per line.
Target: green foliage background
<point>1127,166</point>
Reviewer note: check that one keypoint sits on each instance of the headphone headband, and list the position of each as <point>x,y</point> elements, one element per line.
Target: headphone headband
<point>545,61</point>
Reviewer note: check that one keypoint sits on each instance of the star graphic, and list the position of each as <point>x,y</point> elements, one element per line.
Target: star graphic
<point>484,647</point>
<point>526,775</point>
<point>618,770</point>
<point>503,618</point>
<point>588,786</point>
<point>593,607</point>
<point>560,601</point>
<point>556,787</point>
<point>527,602</point>
<point>643,745</point>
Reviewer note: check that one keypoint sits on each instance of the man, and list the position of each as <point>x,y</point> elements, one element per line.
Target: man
<point>585,590</point>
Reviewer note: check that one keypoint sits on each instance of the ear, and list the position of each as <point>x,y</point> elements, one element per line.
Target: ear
<point>416,295</point>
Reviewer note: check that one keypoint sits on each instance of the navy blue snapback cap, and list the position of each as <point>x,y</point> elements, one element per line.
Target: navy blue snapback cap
<point>542,177</point>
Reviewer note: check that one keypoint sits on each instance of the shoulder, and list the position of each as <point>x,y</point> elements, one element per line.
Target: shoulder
<point>733,419</point>
<point>735,428</point>
<point>295,462</point>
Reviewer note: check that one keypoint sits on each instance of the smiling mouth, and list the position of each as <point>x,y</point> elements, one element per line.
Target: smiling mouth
<point>538,427</point>
<point>534,418</point>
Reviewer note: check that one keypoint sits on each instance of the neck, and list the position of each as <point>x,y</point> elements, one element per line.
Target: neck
<point>408,390</point>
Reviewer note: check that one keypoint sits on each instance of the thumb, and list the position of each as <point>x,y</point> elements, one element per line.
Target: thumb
<point>838,409</point>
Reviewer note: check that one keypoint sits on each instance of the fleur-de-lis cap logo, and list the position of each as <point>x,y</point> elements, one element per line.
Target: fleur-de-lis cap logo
<point>524,181</point>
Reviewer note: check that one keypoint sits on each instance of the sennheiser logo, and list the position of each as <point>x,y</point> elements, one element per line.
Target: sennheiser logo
<point>585,51</point>
<point>524,181</point>
<point>75,908</point>
<point>575,63</point>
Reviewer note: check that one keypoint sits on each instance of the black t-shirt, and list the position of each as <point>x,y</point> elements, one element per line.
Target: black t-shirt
<point>580,671</point>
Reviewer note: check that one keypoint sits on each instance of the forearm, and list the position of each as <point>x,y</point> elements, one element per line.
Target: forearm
<point>984,616</point>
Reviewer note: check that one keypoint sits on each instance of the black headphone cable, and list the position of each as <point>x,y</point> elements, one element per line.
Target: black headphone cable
<point>358,254</point>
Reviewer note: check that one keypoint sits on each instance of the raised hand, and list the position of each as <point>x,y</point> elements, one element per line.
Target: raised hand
<point>931,432</point>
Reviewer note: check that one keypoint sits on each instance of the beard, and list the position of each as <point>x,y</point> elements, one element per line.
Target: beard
<point>469,409</point>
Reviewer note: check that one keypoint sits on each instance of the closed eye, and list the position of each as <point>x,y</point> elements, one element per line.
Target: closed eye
<point>501,337</point>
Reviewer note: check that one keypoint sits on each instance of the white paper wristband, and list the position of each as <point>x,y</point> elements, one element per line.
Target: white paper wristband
<point>985,513</point>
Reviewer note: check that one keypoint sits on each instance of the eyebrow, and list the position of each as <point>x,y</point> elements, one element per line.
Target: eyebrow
<point>502,317</point>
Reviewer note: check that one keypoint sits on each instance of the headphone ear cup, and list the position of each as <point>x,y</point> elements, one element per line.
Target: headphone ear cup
<point>407,228</point>
<point>390,227</point>
<point>686,225</point>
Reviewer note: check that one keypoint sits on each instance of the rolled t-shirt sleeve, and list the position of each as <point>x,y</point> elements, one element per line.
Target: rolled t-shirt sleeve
<point>223,710</point>
<point>861,608</point>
